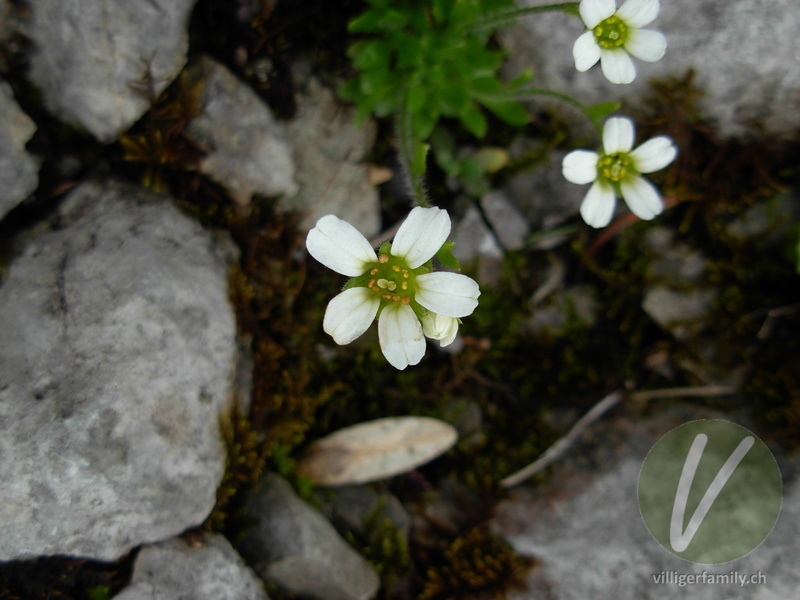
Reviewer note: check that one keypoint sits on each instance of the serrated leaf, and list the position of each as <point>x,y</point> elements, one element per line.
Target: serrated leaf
<point>376,450</point>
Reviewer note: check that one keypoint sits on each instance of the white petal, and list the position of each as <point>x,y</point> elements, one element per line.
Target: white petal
<point>617,66</point>
<point>448,294</point>
<point>642,198</point>
<point>400,336</point>
<point>594,11</point>
<point>617,135</point>
<point>339,246</point>
<point>438,327</point>
<point>638,13</point>
<point>421,235</point>
<point>350,314</point>
<point>580,166</point>
<point>586,52</point>
<point>646,44</point>
<point>598,206</point>
<point>654,154</point>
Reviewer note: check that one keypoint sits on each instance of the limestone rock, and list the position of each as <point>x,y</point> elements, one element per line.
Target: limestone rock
<point>544,196</point>
<point>118,346</point>
<point>677,294</point>
<point>176,569</point>
<point>329,150</point>
<point>294,546</point>
<point>247,152</point>
<point>19,171</point>
<point>585,528</point>
<point>508,222</point>
<point>744,54</point>
<point>100,64</point>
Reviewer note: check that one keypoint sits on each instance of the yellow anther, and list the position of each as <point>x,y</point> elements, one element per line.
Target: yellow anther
<point>371,284</point>
<point>374,271</point>
<point>404,285</point>
<point>383,258</point>
<point>395,268</point>
<point>406,300</point>
<point>386,296</point>
<point>395,298</point>
<point>405,273</point>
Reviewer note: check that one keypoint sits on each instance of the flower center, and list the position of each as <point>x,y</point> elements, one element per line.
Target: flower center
<point>611,33</point>
<point>614,167</point>
<point>392,279</point>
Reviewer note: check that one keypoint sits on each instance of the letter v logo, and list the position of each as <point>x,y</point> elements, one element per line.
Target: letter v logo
<point>709,491</point>
<point>678,538</point>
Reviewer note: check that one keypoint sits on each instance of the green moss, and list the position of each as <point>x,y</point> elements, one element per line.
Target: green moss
<point>157,150</point>
<point>63,577</point>
<point>383,545</point>
<point>478,565</point>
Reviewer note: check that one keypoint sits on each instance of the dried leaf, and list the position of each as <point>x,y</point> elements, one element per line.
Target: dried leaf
<point>376,450</point>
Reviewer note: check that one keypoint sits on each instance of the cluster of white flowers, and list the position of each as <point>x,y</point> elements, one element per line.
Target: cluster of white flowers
<point>398,285</point>
<point>613,36</point>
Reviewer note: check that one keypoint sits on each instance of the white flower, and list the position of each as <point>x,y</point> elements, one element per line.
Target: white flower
<point>616,171</point>
<point>397,285</point>
<point>616,35</point>
<point>438,327</point>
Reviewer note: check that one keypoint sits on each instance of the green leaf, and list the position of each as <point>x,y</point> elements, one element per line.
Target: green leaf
<point>474,121</point>
<point>369,55</point>
<point>598,112</point>
<point>409,52</point>
<point>366,22</point>
<point>423,122</point>
<point>445,256</point>
<point>453,98</point>
<point>509,111</point>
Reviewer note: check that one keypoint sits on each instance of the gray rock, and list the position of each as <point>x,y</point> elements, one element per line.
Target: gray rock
<point>474,241</point>
<point>571,306</point>
<point>247,152</point>
<point>586,529</point>
<point>681,312</point>
<point>352,508</point>
<point>209,570</point>
<point>294,546</point>
<point>19,171</point>
<point>509,224</point>
<point>118,347</point>
<point>100,64</point>
<point>744,54</point>
<point>677,295</point>
<point>544,196</point>
<point>473,238</point>
<point>329,150</point>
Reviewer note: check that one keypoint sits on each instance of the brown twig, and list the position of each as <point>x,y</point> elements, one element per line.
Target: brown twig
<point>558,449</point>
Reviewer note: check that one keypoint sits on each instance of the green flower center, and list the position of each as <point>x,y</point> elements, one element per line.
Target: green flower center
<point>611,33</point>
<point>392,280</point>
<point>615,167</point>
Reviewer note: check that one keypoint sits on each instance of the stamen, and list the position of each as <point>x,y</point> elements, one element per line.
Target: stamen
<point>383,258</point>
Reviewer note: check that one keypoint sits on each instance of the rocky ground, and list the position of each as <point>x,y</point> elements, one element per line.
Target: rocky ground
<point>162,364</point>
